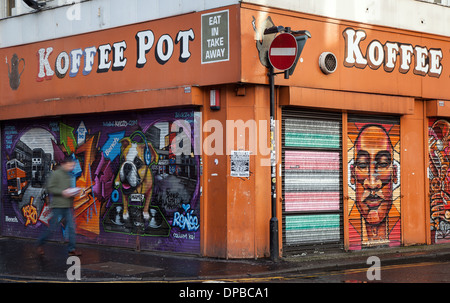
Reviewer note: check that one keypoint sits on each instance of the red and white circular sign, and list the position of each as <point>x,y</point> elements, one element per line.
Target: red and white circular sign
<point>282,51</point>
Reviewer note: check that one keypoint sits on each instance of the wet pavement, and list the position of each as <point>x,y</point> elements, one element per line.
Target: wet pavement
<point>20,262</point>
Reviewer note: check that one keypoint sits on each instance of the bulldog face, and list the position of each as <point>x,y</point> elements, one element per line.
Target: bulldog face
<point>133,170</point>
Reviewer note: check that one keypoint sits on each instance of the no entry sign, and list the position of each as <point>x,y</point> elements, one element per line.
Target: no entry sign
<point>283,51</point>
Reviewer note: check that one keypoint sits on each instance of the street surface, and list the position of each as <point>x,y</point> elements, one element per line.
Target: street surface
<point>20,263</point>
<point>421,272</point>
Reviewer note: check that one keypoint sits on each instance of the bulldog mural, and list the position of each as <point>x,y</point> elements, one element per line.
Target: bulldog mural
<point>135,178</point>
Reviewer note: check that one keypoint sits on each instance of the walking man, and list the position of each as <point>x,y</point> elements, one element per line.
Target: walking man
<point>59,186</point>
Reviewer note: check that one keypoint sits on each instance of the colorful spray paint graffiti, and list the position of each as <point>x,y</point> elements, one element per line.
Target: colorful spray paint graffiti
<point>439,153</point>
<point>374,184</point>
<point>140,175</point>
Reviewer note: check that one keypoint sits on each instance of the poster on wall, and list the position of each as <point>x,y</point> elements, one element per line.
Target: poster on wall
<point>240,163</point>
<point>374,184</point>
<point>139,172</point>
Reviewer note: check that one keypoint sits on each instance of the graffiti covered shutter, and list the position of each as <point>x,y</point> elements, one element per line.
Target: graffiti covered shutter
<point>312,182</point>
<point>439,161</point>
<point>139,171</point>
<point>374,181</point>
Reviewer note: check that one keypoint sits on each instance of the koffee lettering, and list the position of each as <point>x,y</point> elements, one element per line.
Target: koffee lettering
<point>404,56</point>
<point>111,56</point>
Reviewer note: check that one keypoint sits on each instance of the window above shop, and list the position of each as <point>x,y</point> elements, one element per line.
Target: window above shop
<point>441,2</point>
<point>11,8</point>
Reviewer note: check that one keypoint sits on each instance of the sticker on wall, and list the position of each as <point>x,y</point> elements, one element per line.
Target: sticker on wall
<point>240,163</point>
<point>374,184</point>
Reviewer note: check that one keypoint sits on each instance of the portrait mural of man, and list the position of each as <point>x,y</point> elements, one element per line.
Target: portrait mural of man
<point>374,184</point>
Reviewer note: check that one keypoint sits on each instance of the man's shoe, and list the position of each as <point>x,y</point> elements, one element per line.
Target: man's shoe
<point>75,253</point>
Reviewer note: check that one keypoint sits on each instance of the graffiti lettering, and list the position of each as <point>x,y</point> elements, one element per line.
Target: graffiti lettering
<point>30,213</point>
<point>11,220</point>
<point>184,236</point>
<point>120,123</point>
<point>184,115</point>
<point>113,145</point>
<point>171,200</point>
<point>9,132</point>
<point>186,221</point>
<point>444,226</point>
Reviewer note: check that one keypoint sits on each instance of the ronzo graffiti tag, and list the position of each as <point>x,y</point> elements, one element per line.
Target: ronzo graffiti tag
<point>135,182</point>
<point>186,221</point>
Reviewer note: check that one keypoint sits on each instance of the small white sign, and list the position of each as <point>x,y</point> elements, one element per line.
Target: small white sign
<point>240,163</point>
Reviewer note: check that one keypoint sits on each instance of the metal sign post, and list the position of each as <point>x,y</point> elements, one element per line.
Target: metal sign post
<point>283,54</point>
<point>274,245</point>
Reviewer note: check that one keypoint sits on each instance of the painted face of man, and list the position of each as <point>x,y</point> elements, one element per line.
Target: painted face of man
<point>373,174</point>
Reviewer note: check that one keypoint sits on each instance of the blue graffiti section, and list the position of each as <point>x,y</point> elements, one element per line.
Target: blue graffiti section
<point>186,221</point>
<point>111,149</point>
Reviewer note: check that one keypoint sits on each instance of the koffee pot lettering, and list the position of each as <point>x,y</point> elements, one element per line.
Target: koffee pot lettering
<point>422,60</point>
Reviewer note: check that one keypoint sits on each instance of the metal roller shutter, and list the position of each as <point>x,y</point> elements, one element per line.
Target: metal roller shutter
<point>374,181</point>
<point>124,160</point>
<point>312,181</point>
<point>439,162</point>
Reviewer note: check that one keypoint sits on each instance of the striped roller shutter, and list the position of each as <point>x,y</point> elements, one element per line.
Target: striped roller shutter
<point>373,160</point>
<point>312,182</point>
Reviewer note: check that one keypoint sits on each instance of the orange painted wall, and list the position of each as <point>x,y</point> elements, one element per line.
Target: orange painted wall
<point>327,36</point>
<point>236,210</point>
<point>131,88</point>
<point>413,173</point>
<point>249,198</point>
<point>214,208</point>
